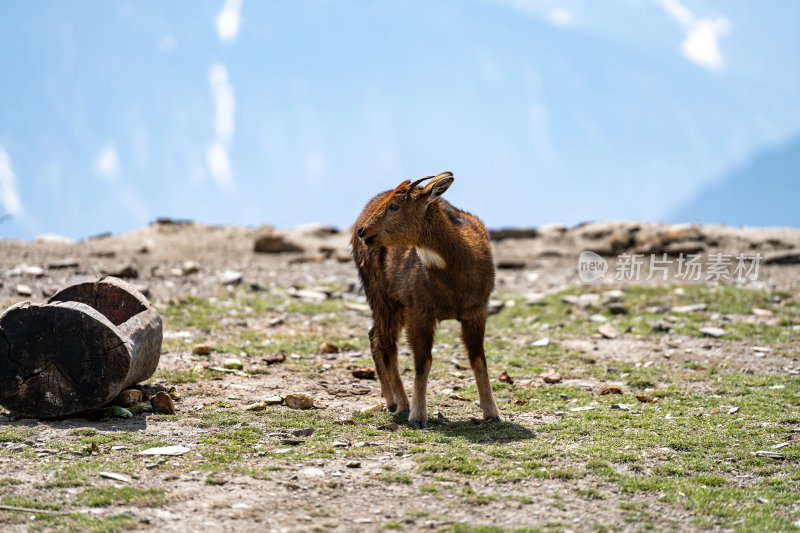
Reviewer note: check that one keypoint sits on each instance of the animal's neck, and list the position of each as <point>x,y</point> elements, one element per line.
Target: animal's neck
<point>440,246</point>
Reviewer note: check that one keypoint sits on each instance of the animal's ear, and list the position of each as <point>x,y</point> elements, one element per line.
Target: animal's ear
<point>437,187</point>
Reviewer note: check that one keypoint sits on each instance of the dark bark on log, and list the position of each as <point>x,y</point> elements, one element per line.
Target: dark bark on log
<point>77,352</point>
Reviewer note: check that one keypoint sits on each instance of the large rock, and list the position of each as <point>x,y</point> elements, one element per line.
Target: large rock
<point>273,243</point>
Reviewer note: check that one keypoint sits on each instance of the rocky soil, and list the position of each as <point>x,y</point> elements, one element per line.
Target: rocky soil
<point>171,261</point>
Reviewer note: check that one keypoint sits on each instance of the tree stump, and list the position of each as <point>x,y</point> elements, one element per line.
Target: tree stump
<point>77,352</point>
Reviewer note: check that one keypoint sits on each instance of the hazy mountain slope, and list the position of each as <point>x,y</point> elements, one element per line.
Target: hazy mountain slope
<point>765,191</point>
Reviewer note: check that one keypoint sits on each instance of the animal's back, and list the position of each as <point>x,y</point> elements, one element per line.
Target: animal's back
<point>399,275</point>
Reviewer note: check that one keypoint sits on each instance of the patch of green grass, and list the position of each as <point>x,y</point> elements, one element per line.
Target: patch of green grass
<point>394,477</point>
<point>175,377</point>
<point>105,496</point>
<point>82,523</point>
<point>29,503</point>
<point>15,433</point>
<point>468,528</point>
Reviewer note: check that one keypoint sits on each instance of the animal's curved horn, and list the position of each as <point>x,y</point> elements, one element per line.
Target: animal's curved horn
<point>400,187</point>
<point>415,183</point>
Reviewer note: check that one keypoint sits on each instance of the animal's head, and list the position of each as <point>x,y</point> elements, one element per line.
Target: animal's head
<point>400,218</point>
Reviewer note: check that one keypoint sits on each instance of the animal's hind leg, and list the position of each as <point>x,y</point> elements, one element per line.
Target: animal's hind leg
<point>472,332</point>
<point>383,342</point>
<point>420,337</point>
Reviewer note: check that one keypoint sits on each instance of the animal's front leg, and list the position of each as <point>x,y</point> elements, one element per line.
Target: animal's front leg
<point>472,332</point>
<point>383,342</point>
<point>378,344</point>
<point>420,337</point>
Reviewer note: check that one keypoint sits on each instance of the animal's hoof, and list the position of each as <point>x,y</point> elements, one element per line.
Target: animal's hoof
<point>417,424</point>
<point>496,419</point>
<point>404,413</point>
<point>393,408</point>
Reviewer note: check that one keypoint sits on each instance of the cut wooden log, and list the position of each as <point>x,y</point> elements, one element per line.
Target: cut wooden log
<point>90,341</point>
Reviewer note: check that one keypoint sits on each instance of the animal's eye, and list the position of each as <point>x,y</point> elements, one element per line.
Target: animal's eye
<point>393,207</point>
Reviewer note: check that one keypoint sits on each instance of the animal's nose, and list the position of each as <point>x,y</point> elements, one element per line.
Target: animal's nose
<point>361,231</point>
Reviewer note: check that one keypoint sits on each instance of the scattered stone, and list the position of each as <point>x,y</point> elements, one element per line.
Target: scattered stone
<point>363,372</point>
<point>272,243</point>
<point>298,400</point>
<point>389,427</point>
<point>684,247</point>
<point>189,267</point>
<point>162,404</point>
<point>617,308</point>
<point>608,332</point>
<point>610,390</point>
<point>712,332</point>
<point>340,444</point>
<point>510,265</point>
<point>231,277</point>
<point>613,295</point>
<point>781,445</point>
<point>661,327</point>
<point>127,398</point>
<point>116,477</point>
<point>308,295</point>
<point>312,472</point>
<point>327,347</point>
<point>584,408</point>
<point>258,406</point>
<point>273,400</point>
<point>646,399</point>
<point>345,421</point>
<point>621,406</point>
<point>201,349</point>
<point>353,464</point>
<point>693,308</point>
<point>582,300</point>
<point>277,321</point>
<point>783,258</point>
<point>495,306</point>
<point>505,378</point>
<point>126,270</point>
<point>544,341</point>
<point>375,408</point>
<point>551,377</point>
<point>166,450</point>
<point>232,364</point>
<point>762,350</point>
<point>274,359</point>
<point>535,298</point>
<point>303,432</point>
<point>772,455</point>
<point>362,308</point>
<point>733,410</point>
<point>762,312</point>
<point>35,271</point>
<point>598,319</point>
<point>24,290</point>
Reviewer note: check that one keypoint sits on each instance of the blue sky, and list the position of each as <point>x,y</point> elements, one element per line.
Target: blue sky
<point>113,113</point>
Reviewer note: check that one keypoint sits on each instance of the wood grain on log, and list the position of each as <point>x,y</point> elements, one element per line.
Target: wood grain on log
<point>77,352</point>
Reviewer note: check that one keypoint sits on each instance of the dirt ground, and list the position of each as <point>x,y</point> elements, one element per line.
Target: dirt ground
<point>319,491</point>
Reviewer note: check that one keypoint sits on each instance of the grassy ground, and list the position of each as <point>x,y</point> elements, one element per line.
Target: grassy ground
<point>676,435</point>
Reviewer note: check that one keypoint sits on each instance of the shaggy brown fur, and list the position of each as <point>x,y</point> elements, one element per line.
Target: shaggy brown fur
<point>421,261</point>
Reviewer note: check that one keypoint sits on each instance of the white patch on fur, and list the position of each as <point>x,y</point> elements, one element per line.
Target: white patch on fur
<point>430,258</point>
